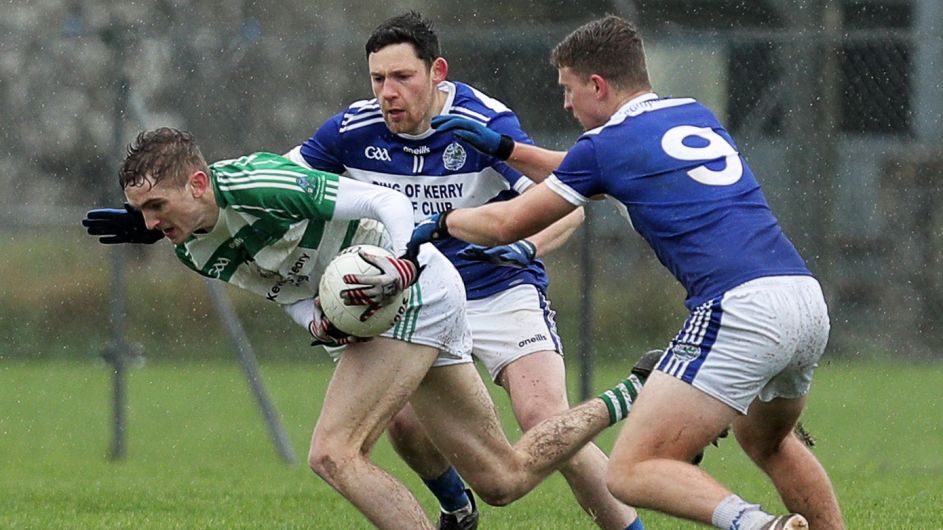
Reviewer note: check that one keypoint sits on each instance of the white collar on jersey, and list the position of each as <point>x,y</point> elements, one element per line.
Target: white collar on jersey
<point>445,86</point>
<point>633,106</point>
<point>640,105</point>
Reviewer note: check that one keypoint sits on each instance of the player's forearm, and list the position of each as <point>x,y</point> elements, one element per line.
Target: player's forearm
<point>484,225</point>
<point>555,235</point>
<point>535,162</point>
<point>499,223</point>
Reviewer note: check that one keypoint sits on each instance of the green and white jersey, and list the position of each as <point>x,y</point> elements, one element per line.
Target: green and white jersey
<point>276,230</point>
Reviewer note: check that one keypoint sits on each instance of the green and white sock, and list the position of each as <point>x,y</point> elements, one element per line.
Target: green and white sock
<point>619,398</point>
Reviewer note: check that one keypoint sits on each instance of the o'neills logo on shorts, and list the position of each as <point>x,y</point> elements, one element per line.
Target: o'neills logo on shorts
<point>540,337</point>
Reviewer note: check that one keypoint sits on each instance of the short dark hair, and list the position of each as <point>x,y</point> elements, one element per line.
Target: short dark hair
<point>409,27</point>
<point>161,154</point>
<point>610,47</point>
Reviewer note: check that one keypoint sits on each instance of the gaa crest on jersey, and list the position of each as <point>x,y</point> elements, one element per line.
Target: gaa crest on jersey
<point>306,185</point>
<point>454,157</point>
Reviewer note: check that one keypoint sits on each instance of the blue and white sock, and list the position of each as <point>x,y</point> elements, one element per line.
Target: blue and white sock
<point>449,489</point>
<point>636,525</point>
<point>734,513</point>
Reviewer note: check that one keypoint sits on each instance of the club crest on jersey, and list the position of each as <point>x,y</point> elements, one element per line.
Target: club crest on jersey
<point>685,352</point>
<point>454,157</point>
<point>306,185</point>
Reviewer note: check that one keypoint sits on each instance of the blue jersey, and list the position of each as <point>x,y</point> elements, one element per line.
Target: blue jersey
<point>437,171</point>
<point>678,178</point>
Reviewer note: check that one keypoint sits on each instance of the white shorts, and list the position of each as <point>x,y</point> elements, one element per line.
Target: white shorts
<point>761,339</point>
<point>511,324</point>
<point>435,315</point>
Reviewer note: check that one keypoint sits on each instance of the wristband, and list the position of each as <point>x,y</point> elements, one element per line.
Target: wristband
<point>441,228</point>
<point>505,148</point>
<point>531,247</point>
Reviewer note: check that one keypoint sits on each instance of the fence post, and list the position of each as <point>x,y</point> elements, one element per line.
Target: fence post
<point>250,367</point>
<point>116,352</point>
<point>587,343</point>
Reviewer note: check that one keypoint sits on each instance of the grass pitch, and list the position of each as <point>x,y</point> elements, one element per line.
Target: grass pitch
<point>199,455</point>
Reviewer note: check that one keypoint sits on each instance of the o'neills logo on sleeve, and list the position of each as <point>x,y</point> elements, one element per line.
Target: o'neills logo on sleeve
<point>294,277</point>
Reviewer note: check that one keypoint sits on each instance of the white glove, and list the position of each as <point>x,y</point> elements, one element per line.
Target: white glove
<point>396,275</point>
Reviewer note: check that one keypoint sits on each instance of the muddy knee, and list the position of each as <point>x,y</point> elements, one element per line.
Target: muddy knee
<point>499,492</point>
<point>327,458</point>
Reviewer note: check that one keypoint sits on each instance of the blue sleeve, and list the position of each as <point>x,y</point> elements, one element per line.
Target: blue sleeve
<point>580,169</point>
<point>507,123</point>
<point>323,150</point>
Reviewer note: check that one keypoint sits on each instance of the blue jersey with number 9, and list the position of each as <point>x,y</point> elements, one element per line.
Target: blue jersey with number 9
<point>682,184</point>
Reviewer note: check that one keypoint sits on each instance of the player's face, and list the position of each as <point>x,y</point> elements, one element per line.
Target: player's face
<point>405,87</point>
<point>580,99</point>
<point>169,207</point>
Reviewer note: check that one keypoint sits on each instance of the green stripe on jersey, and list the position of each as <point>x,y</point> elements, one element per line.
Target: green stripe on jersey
<point>406,327</point>
<point>275,231</point>
<point>265,183</point>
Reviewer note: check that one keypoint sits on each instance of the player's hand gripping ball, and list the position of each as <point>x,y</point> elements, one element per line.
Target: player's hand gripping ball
<point>358,320</point>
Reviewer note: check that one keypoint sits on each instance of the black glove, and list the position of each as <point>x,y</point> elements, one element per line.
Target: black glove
<point>114,225</point>
<point>646,364</point>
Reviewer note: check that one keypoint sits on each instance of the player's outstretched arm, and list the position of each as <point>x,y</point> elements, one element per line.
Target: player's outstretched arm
<point>535,162</point>
<point>523,252</point>
<point>555,235</point>
<point>504,222</point>
<point>496,223</point>
<point>115,225</point>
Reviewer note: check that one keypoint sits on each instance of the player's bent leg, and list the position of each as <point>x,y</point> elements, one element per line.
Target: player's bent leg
<point>412,444</point>
<point>372,381</point>
<point>649,467</point>
<point>766,435</point>
<point>410,441</point>
<point>536,384</point>
<point>466,430</point>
